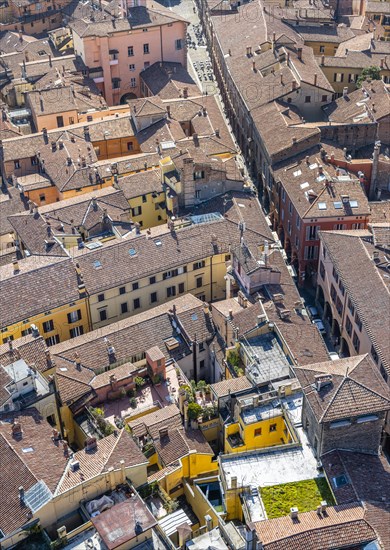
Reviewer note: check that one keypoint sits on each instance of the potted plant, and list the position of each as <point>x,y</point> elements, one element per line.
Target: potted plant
<point>194,411</point>
<point>139,382</point>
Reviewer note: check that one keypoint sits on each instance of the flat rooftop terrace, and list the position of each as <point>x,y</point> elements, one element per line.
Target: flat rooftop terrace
<point>267,360</point>
<point>272,467</point>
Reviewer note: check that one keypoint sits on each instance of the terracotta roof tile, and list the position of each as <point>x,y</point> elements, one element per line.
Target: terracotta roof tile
<point>179,443</point>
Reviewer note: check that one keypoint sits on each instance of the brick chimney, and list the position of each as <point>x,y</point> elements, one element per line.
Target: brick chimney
<point>155,360</point>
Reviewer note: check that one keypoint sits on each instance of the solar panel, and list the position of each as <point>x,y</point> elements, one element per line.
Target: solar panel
<point>37,496</point>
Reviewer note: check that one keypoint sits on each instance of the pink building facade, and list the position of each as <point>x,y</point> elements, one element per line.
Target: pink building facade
<point>117,50</point>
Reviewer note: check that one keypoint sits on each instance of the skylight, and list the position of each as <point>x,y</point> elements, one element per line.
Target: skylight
<point>194,317</point>
<point>97,264</point>
<point>304,185</point>
<point>158,242</point>
<point>313,166</point>
<point>338,205</point>
<point>353,204</point>
<point>132,252</point>
<point>297,173</point>
<point>94,245</point>
<point>322,205</point>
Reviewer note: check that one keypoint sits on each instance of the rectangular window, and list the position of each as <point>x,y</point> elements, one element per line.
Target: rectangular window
<point>153,297</point>
<point>152,280</point>
<point>272,428</point>
<point>199,282</point>
<point>60,121</point>
<point>290,207</point>
<point>198,175</point>
<point>135,286</point>
<point>257,432</point>
<point>52,340</point>
<point>351,307</point>
<point>201,364</point>
<point>76,331</point>
<point>289,227</point>
<point>136,303</point>
<point>146,64</point>
<point>16,164</point>
<point>144,198</point>
<point>198,265</point>
<point>311,252</point>
<point>122,290</point>
<point>181,288</point>
<point>324,98</point>
<point>146,49</point>
<point>311,232</point>
<point>170,274</point>
<point>137,211</point>
<point>133,82</point>
<point>71,120</point>
<point>339,306</point>
<point>322,271</point>
<point>74,316</point>
<point>131,67</point>
<point>130,146</point>
<point>333,293</point>
<point>115,83</point>
<point>348,326</point>
<point>283,194</point>
<point>338,77</point>
<point>307,99</point>
<point>356,342</point>
<point>100,297</point>
<point>341,287</point>
<point>322,49</point>
<point>42,197</point>
<point>358,322</point>
<point>124,307</point>
<point>48,326</point>
<point>374,354</point>
<point>179,44</point>
<point>34,161</point>
<point>298,222</point>
<point>171,291</point>
<point>335,275</point>
<point>103,314</point>
<point>130,53</point>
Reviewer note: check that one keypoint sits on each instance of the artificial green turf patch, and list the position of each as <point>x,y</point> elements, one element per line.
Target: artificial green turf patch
<point>305,495</point>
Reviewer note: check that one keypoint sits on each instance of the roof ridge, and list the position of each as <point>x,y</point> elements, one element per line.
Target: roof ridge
<point>117,438</point>
<point>332,400</point>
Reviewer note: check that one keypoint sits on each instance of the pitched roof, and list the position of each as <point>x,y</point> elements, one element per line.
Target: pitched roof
<point>11,202</point>
<point>368,480</point>
<point>22,294</point>
<point>168,80</point>
<point>151,423</point>
<point>340,526</point>
<point>179,443</point>
<point>30,348</point>
<point>231,385</point>
<point>25,460</point>
<point>356,388</point>
<point>133,335</point>
<point>365,284</point>
<point>109,452</point>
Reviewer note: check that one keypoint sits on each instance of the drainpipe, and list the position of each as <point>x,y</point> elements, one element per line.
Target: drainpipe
<point>161,45</point>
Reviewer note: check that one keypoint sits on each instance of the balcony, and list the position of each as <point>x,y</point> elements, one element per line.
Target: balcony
<point>113,56</point>
<point>235,440</point>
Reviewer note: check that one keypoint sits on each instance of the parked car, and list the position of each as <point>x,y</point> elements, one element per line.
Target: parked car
<point>320,325</point>
<point>312,311</point>
<point>334,356</point>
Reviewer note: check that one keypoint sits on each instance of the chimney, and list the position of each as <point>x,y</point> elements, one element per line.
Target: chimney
<point>300,54</point>
<point>77,361</point>
<point>322,60</point>
<point>53,146</point>
<point>294,84</point>
<point>374,173</point>
<point>294,513</point>
<point>375,255</point>
<point>21,494</point>
<point>274,37</point>
<point>281,79</point>
<point>209,522</point>
<point>163,432</point>
<point>16,429</point>
<point>50,61</point>
<point>91,444</point>
<point>315,79</point>
<point>185,92</point>
<point>15,264</point>
<point>233,482</point>
<point>251,537</point>
<point>217,133</point>
<point>230,314</point>
<point>169,111</point>
<point>45,136</point>
<point>345,91</point>
<point>382,62</point>
<point>248,51</point>
<point>230,52</point>
<point>323,380</point>
<point>254,66</point>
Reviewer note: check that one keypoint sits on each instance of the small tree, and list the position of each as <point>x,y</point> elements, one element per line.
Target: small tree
<point>133,402</point>
<point>194,411</point>
<point>139,381</point>
<point>369,72</point>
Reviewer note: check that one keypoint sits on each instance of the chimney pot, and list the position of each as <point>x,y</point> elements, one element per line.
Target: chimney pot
<point>300,54</point>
